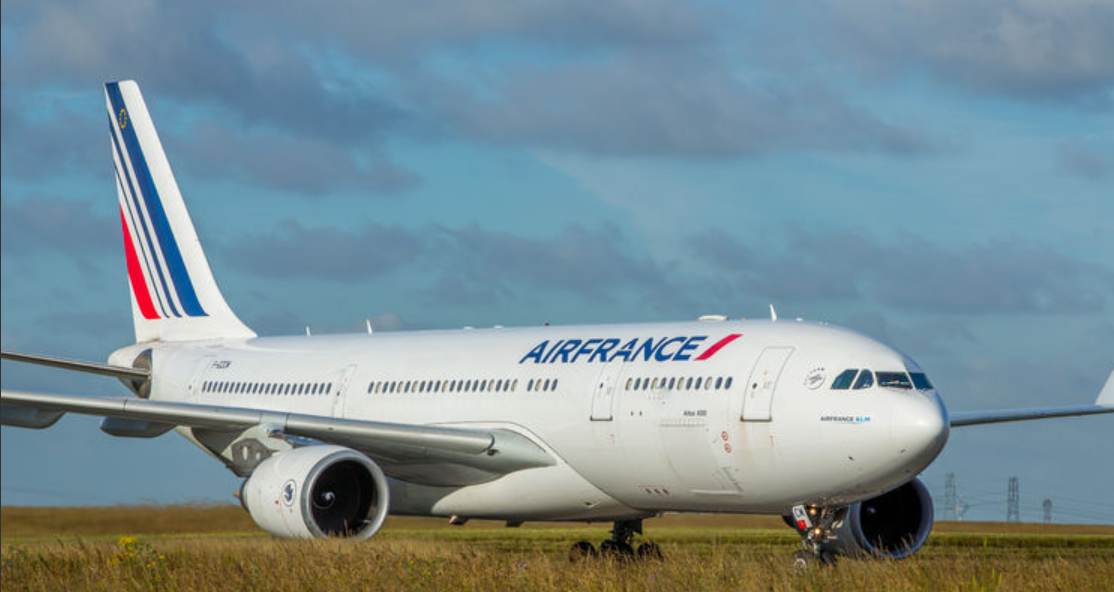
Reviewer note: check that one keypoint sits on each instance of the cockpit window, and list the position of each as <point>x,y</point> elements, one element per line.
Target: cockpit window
<point>865,380</point>
<point>844,380</point>
<point>894,380</point>
<point>920,381</point>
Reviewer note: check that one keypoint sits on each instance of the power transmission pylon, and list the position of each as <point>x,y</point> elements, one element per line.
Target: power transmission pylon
<point>1047,511</point>
<point>1013,502</point>
<point>950,502</point>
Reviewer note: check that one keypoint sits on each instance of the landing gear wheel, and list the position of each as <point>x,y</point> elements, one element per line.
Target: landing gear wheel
<point>616,549</point>
<point>802,560</point>
<point>649,551</point>
<point>582,550</point>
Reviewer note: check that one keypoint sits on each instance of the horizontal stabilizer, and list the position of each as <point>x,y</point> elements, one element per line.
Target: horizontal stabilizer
<point>123,372</point>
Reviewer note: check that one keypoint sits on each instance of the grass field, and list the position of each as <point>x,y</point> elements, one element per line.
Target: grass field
<point>219,548</point>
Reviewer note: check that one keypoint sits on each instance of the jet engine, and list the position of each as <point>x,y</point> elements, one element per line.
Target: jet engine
<point>893,525</point>
<point>317,491</point>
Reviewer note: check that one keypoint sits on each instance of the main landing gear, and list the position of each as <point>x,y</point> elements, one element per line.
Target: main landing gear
<point>814,523</point>
<point>619,546</point>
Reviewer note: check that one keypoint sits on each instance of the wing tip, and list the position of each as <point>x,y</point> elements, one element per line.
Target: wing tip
<point>1106,395</point>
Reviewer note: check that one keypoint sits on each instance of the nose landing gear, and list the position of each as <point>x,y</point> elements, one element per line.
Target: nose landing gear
<point>814,523</point>
<point>619,546</point>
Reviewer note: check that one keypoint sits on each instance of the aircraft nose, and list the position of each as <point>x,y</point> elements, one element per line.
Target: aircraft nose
<point>918,428</point>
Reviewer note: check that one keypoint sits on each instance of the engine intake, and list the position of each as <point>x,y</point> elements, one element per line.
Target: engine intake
<point>317,491</point>
<point>894,525</point>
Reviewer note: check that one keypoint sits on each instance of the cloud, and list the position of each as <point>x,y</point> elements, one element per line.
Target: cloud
<point>469,266</point>
<point>1028,49</point>
<point>41,222</point>
<point>41,137</point>
<point>304,165</point>
<point>595,264</point>
<point>581,259</point>
<point>293,250</point>
<point>685,105</point>
<point>1085,161</point>
<point>230,59</point>
<point>616,78</point>
<point>399,31</point>
<point>941,335</point>
<point>913,274</point>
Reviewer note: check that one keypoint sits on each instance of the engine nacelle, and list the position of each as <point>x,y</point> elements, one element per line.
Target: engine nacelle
<point>894,525</point>
<point>317,491</point>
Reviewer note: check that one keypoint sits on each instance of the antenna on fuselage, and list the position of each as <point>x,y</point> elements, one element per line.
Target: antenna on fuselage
<point>773,313</point>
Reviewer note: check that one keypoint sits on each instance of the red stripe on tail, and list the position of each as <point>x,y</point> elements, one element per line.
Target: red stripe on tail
<point>711,351</point>
<point>135,275</point>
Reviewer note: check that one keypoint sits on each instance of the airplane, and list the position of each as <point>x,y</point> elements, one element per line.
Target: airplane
<point>617,423</point>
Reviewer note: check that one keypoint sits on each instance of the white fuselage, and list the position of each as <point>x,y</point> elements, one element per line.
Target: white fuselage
<point>622,414</point>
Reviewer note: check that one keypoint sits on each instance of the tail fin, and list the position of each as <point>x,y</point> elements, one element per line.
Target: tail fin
<point>174,295</point>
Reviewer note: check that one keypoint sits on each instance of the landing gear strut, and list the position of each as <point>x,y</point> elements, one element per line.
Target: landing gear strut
<point>619,546</point>
<point>814,523</point>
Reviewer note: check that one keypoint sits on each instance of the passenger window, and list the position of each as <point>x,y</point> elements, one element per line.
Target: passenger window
<point>554,384</point>
<point>865,380</point>
<point>844,380</point>
<point>727,383</point>
<point>514,385</point>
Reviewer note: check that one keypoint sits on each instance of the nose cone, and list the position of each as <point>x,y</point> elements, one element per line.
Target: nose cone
<point>918,428</point>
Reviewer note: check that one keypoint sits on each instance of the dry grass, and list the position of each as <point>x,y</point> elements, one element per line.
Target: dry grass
<point>416,554</point>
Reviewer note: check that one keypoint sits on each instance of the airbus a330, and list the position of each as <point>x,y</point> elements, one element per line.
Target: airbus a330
<point>618,423</point>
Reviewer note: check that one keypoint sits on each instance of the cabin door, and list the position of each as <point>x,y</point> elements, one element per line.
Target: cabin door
<point>603,392</point>
<point>758,393</point>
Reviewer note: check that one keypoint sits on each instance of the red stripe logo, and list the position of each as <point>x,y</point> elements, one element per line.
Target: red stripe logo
<point>135,275</point>
<point>711,351</point>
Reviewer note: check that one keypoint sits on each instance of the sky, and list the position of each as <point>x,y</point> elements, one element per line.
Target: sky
<point>938,174</point>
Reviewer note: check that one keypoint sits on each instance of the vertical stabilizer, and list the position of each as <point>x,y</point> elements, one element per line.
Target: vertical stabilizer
<point>174,295</point>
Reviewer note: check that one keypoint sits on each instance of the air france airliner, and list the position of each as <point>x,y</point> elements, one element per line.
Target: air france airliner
<point>600,423</point>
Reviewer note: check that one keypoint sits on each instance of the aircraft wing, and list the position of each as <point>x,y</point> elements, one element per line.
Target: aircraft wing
<point>1103,404</point>
<point>435,455</point>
